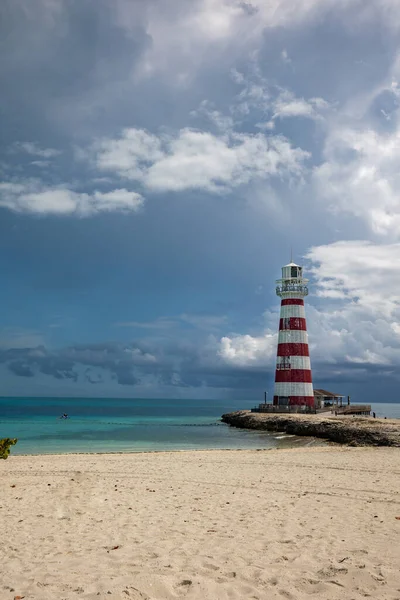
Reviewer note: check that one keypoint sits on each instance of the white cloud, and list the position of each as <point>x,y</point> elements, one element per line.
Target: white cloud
<point>246,350</point>
<point>128,155</point>
<point>285,57</point>
<point>120,200</point>
<point>186,36</point>
<point>34,197</point>
<point>197,160</point>
<point>203,161</point>
<point>274,102</point>
<point>266,126</point>
<point>361,176</point>
<point>361,273</point>
<point>360,310</point>
<point>183,32</point>
<point>35,150</point>
<point>287,105</point>
<point>139,357</point>
<point>40,163</point>
<point>223,123</point>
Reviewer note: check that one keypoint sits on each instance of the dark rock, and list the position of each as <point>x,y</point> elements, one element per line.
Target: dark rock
<point>355,431</point>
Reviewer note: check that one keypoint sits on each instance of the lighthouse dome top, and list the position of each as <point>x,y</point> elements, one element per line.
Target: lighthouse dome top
<point>292,283</point>
<point>292,271</point>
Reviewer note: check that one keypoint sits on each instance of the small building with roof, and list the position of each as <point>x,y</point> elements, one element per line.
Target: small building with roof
<point>325,399</point>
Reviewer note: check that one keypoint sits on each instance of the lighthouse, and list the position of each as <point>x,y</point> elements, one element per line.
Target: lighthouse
<point>293,381</point>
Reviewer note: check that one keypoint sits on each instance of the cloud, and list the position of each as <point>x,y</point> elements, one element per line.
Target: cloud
<point>223,123</point>
<point>40,163</point>
<point>128,155</point>
<point>127,363</point>
<point>199,321</point>
<point>189,34</point>
<point>361,176</point>
<point>287,105</point>
<point>285,57</point>
<point>194,159</point>
<point>177,366</point>
<point>34,197</point>
<point>35,150</point>
<point>246,350</point>
<point>361,273</point>
<point>262,96</point>
<point>205,322</point>
<point>21,369</point>
<point>160,323</point>
<point>14,338</point>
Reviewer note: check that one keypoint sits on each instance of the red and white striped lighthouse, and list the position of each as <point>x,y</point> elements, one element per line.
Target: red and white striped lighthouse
<point>293,381</point>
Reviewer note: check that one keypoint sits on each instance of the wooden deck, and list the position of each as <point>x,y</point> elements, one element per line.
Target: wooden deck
<point>353,409</point>
<point>348,409</point>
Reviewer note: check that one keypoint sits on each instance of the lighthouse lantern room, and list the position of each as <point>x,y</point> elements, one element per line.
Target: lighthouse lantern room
<point>293,380</point>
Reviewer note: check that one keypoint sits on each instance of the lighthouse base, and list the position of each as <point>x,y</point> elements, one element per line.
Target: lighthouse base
<point>294,401</point>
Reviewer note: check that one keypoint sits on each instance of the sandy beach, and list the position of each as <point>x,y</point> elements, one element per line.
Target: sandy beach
<point>210,525</point>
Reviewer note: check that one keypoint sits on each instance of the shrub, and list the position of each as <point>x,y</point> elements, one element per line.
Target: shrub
<point>5,446</point>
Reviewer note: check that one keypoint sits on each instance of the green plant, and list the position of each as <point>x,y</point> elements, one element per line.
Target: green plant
<point>5,446</point>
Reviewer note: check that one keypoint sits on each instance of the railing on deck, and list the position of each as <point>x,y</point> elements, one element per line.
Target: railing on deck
<point>353,409</point>
<point>348,409</point>
<point>282,408</point>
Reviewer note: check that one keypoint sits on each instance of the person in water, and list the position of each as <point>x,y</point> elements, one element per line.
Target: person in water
<point>64,416</point>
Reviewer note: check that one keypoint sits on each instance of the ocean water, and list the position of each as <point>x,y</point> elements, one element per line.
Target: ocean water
<point>129,425</point>
<point>126,425</point>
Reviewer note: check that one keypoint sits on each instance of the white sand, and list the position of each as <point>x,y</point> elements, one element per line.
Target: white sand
<point>212,525</point>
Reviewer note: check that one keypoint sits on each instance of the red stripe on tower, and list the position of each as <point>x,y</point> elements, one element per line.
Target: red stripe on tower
<point>300,400</point>
<point>293,378</point>
<point>294,301</point>
<point>292,349</point>
<point>292,323</point>
<point>295,375</point>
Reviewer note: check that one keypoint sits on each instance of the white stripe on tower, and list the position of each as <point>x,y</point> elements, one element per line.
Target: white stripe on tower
<point>292,335</point>
<point>296,362</point>
<point>294,389</point>
<point>293,311</point>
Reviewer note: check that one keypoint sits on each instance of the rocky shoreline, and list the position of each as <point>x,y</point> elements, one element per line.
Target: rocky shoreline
<point>353,431</point>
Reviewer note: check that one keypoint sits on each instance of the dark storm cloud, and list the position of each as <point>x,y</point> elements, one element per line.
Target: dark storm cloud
<point>21,369</point>
<point>56,55</point>
<point>128,365</point>
<point>120,360</point>
<point>124,375</point>
<point>58,367</point>
<point>180,365</point>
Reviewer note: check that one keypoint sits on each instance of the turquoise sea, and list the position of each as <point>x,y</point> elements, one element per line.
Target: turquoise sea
<point>130,425</point>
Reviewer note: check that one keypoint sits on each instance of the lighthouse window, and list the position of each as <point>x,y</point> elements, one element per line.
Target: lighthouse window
<point>284,365</point>
<point>293,272</point>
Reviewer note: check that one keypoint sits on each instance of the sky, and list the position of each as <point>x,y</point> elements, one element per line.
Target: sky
<point>161,159</point>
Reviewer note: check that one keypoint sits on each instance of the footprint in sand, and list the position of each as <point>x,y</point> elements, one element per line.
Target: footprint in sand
<point>332,571</point>
<point>135,594</point>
